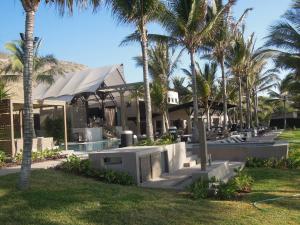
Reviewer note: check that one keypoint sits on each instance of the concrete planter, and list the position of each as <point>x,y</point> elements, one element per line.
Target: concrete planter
<point>142,162</point>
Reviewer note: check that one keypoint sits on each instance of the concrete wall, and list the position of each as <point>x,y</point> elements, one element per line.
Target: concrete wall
<point>141,162</point>
<point>39,143</point>
<point>242,151</point>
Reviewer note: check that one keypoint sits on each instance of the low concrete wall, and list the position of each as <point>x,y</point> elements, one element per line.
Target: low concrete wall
<point>141,162</point>
<point>39,143</point>
<point>242,151</point>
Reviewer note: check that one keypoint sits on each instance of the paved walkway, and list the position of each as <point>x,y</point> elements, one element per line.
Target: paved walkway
<point>270,136</point>
<point>41,165</point>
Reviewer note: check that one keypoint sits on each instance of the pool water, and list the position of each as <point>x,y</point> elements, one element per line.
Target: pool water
<point>94,146</point>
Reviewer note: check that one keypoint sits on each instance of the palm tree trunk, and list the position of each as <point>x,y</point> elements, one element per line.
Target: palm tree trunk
<point>195,98</point>
<point>284,108</point>
<point>138,116</point>
<point>163,123</point>
<point>224,89</point>
<point>240,103</point>
<point>144,46</point>
<point>28,108</point>
<point>248,114</point>
<point>256,108</point>
<point>207,115</point>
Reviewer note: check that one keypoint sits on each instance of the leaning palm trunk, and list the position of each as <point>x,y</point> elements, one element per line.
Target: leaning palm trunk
<point>195,98</point>
<point>240,103</point>
<point>163,129</point>
<point>144,46</point>
<point>224,89</point>
<point>28,108</point>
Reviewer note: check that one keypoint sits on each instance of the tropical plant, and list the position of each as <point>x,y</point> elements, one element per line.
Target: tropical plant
<point>218,49</point>
<point>162,62</point>
<point>285,36</point>
<point>136,94</point>
<point>280,95</point>
<point>206,87</point>
<point>44,67</point>
<point>140,13</point>
<point>30,7</point>
<point>191,23</point>
<point>4,92</point>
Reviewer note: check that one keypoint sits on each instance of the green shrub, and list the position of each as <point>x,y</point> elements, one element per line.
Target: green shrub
<point>289,163</point>
<point>164,140</point>
<point>54,128</point>
<point>226,191</point>
<point>39,155</point>
<point>200,188</point>
<point>242,182</point>
<point>83,167</point>
<point>217,189</point>
<point>2,158</point>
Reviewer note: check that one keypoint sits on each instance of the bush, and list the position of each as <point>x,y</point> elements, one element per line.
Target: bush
<point>2,158</point>
<point>83,167</point>
<point>289,163</point>
<point>164,140</point>
<point>40,155</point>
<point>226,191</point>
<point>242,182</point>
<point>200,188</point>
<point>217,189</point>
<point>54,128</point>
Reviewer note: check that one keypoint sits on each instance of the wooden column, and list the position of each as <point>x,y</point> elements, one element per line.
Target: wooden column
<point>65,126</point>
<point>123,111</point>
<point>12,133</point>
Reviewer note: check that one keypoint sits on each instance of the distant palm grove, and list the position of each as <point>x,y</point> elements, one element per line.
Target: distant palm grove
<point>224,64</point>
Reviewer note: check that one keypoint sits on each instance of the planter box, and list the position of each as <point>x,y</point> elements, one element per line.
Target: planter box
<point>142,162</point>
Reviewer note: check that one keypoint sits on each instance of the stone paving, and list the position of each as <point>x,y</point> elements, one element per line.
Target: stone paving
<point>40,165</point>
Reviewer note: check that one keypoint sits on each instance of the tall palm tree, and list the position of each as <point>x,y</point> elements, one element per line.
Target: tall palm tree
<point>220,46</point>
<point>140,13</point>
<point>30,7</point>
<point>191,23</point>
<point>162,63</point>
<point>285,36</point>
<point>237,61</point>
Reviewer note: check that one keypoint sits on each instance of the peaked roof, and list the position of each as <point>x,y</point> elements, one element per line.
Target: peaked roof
<point>68,85</point>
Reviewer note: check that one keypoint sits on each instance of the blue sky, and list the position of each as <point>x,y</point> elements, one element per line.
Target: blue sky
<point>93,39</point>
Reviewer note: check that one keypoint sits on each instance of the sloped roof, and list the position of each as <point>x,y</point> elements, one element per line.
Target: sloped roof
<point>67,86</point>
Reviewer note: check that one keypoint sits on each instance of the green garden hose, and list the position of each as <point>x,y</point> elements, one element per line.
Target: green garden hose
<point>272,199</point>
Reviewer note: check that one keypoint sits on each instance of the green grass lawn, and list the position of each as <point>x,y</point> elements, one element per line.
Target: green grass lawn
<point>293,137</point>
<point>59,198</point>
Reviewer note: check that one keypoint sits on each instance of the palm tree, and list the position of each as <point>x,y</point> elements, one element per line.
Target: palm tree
<point>44,67</point>
<point>260,81</point>
<point>237,62</point>
<point>4,93</point>
<point>191,23</point>
<point>140,13</point>
<point>220,46</point>
<point>30,7</point>
<point>162,62</point>
<point>136,94</point>
<point>280,96</point>
<point>205,79</point>
<point>285,36</point>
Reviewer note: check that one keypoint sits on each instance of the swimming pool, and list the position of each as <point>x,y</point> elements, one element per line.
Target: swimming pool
<point>93,146</point>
